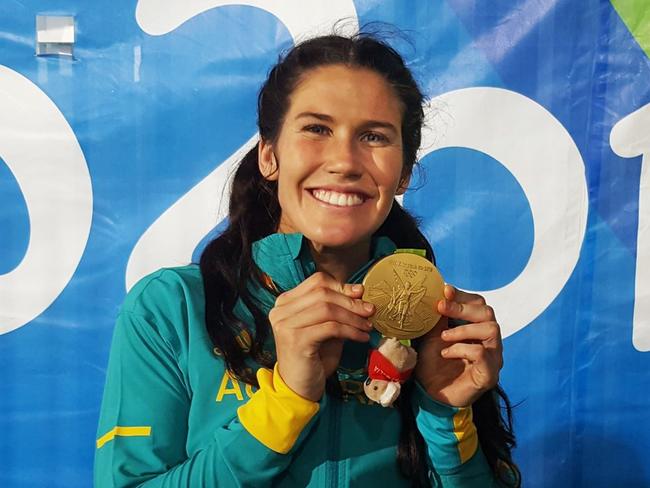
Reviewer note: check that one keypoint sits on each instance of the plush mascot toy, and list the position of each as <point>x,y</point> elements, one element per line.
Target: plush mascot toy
<point>390,365</point>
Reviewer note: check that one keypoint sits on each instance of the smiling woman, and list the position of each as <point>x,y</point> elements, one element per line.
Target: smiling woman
<point>276,304</point>
<point>340,149</point>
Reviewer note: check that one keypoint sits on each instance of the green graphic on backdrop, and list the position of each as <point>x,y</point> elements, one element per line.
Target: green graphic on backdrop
<point>636,16</point>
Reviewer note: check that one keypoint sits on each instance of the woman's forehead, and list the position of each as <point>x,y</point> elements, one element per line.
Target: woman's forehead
<point>343,91</point>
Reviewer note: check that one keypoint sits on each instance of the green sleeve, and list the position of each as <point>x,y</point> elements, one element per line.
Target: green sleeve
<point>455,456</point>
<point>147,399</point>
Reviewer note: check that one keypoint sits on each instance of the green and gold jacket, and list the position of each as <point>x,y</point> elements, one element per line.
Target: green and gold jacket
<point>172,416</point>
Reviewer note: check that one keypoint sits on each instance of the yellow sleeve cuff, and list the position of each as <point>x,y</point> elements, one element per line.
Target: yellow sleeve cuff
<point>465,432</point>
<point>276,415</point>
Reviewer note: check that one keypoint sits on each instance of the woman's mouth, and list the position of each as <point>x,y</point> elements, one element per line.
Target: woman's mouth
<point>338,199</point>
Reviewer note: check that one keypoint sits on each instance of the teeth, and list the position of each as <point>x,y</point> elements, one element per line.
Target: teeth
<point>338,199</point>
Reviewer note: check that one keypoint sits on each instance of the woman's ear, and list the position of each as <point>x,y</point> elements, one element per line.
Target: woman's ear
<point>403,184</point>
<point>266,160</point>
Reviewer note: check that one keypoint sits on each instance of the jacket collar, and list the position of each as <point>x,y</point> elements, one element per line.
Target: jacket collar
<point>287,260</point>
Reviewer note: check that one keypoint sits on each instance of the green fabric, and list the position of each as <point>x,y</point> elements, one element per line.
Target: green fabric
<point>163,373</point>
<point>419,252</point>
<point>636,16</point>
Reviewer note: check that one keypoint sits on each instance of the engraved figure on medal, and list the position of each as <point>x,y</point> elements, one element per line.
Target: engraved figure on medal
<point>404,298</point>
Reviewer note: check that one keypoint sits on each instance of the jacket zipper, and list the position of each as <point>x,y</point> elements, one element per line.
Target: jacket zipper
<point>333,445</point>
<point>333,468</point>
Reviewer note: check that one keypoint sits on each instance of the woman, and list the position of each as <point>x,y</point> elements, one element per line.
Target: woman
<point>276,305</point>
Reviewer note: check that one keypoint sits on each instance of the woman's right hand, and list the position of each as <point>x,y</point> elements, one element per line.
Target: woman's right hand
<point>310,324</point>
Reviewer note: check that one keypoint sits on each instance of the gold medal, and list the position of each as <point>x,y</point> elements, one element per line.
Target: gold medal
<point>405,289</point>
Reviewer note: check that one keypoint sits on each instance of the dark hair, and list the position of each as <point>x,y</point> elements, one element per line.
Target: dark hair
<point>254,212</point>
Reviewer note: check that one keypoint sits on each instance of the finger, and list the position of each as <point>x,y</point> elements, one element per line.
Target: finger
<point>454,294</point>
<point>320,313</point>
<point>319,279</point>
<point>466,311</point>
<point>449,291</point>
<point>333,330</point>
<point>319,296</point>
<point>302,295</point>
<point>488,333</point>
<point>470,352</point>
<point>354,290</point>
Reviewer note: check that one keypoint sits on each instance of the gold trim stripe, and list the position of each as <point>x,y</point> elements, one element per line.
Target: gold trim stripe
<point>276,415</point>
<point>144,431</point>
<point>465,432</point>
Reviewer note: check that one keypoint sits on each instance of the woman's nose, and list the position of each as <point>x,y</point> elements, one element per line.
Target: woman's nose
<point>343,157</point>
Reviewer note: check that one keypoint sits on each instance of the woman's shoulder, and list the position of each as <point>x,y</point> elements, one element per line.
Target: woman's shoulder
<point>166,293</point>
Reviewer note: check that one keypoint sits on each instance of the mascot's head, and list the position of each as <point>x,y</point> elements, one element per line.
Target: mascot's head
<point>381,391</point>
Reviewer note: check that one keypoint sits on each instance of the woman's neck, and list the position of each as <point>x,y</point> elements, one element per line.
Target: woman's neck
<point>340,262</point>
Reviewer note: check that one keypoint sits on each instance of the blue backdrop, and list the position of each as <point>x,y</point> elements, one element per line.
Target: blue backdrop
<point>531,189</point>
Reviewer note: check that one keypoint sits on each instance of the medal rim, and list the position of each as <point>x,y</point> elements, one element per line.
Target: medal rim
<point>394,332</point>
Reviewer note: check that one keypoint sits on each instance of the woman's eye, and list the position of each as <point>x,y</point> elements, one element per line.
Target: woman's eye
<point>316,129</point>
<point>374,137</point>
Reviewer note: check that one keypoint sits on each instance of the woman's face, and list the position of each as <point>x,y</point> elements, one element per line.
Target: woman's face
<point>339,156</point>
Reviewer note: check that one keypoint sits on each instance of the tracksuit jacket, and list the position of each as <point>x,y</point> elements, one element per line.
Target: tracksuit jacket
<point>172,416</point>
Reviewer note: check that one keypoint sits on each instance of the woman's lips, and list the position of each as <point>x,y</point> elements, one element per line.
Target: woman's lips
<point>338,199</point>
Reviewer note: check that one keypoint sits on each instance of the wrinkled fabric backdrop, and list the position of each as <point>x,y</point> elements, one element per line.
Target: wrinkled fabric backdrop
<point>533,189</point>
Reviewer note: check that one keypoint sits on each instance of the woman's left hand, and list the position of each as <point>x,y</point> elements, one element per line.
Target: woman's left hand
<point>456,366</point>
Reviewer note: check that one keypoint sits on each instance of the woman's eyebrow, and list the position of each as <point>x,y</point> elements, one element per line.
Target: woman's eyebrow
<point>316,115</point>
<point>379,124</point>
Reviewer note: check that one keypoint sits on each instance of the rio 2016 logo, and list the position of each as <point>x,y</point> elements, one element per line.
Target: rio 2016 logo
<point>42,151</point>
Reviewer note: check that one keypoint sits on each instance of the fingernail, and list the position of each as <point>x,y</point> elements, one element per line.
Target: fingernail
<point>357,288</point>
<point>369,307</point>
<point>445,334</point>
<point>369,324</point>
<point>444,352</point>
